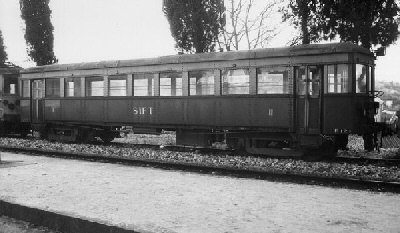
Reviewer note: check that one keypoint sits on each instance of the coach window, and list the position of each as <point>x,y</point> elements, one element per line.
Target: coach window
<point>201,82</point>
<point>272,81</point>
<point>72,87</point>
<point>361,78</point>
<point>53,87</point>
<point>94,86</point>
<point>338,79</point>
<point>10,84</point>
<point>117,85</point>
<point>301,80</point>
<point>171,84</point>
<point>235,82</point>
<point>143,84</point>
<point>25,88</point>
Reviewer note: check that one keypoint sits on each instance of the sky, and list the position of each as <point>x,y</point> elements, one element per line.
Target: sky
<point>94,30</point>
<point>98,30</point>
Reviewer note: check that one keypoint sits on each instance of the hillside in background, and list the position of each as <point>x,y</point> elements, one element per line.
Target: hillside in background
<point>391,92</point>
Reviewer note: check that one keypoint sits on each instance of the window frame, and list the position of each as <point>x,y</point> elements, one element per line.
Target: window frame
<point>276,69</point>
<point>210,71</point>
<point>150,88</point>
<point>91,79</point>
<point>14,79</point>
<point>50,92</point>
<point>348,83</point>
<point>77,91</point>
<point>173,91</point>
<point>117,78</point>
<point>223,93</point>
<point>26,88</point>
<point>356,78</point>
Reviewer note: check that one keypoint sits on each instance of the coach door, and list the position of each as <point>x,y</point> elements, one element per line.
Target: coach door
<point>37,101</point>
<point>308,82</point>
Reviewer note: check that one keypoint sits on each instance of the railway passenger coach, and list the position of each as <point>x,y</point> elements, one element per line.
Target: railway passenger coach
<point>10,121</point>
<point>265,101</point>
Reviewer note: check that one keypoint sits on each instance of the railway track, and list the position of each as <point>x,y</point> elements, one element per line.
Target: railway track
<point>343,158</point>
<point>364,161</point>
<point>354,158</point>
<point>387,162</point>
<point>237,170</point>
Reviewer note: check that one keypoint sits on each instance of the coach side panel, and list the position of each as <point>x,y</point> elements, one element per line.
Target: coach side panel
<point>265,113</point>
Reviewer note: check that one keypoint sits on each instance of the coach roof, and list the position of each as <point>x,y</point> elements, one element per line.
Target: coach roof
<point>299,50</point>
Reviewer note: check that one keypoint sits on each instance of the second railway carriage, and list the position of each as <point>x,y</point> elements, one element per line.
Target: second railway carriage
<point>265,100</point>
<point>10,121</point>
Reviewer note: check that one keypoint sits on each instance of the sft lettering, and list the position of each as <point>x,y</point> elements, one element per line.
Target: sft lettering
<point>143,110</point>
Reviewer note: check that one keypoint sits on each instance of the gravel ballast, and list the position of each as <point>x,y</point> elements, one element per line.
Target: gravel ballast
<point>227,160</point>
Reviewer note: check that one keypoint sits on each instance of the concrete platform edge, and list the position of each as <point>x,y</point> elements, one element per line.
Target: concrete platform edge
<point>55,221</point>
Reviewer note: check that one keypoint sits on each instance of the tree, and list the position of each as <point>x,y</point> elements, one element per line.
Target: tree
<point>367,23</point>
<point>306,15</point>
<point>39,30</point>
<point>195,24</point>
<point>3,53</point>
<point>250,23</point>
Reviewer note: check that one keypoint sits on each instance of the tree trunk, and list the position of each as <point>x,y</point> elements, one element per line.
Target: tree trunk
<point>304,11</point>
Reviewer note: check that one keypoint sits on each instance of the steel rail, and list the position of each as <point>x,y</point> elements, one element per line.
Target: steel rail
<point>287,177</point>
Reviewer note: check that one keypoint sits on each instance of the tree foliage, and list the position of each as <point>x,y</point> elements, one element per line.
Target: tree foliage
<point>3,53</point>
<point>250,23</point>
<point>39,30</point>
<point>195,24</point>
<point>366,23</point>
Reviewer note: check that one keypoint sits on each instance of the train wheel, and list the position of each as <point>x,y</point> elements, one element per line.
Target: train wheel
<point>368,142</point>
<point>106,139</point>
<point>341,142</point>
<point>2,129</point>
<point>23,130</point>
<point>43,133</point>
<point>327,149</point>
<point>84,136</point>
<point>107,136</point>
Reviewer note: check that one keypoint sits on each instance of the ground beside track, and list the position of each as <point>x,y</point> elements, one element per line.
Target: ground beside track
<point>348,169</point>
<point>153,200</point>
<point>10,225</point>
